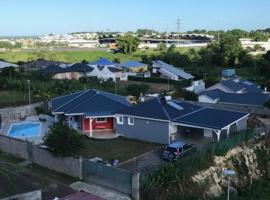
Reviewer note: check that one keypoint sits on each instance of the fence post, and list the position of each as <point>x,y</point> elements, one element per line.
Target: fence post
<point>29,149</point>
<point>135,185</point>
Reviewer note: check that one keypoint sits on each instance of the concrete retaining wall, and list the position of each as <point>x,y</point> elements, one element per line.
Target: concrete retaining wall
<point>13,146</point>
<point>15,113</point>
<point>66,165</point>
<point>25,150</point>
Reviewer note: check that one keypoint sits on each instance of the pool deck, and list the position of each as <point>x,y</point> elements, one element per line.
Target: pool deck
<point>44,127</point>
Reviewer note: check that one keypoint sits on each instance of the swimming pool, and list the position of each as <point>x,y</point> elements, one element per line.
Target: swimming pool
<point>25,129</point>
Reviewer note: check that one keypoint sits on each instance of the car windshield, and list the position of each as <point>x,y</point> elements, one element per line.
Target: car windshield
<point>171,149</point>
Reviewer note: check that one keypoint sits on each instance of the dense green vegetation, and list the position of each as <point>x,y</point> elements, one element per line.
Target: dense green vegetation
<point>63,140</point>
<point>173,181</point>
<point>127,44</point>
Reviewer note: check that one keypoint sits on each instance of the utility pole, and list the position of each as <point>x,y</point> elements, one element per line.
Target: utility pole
<point>178,29</point>
<point>29,95</point>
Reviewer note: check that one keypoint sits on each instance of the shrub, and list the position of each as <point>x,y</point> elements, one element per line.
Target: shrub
<point>62,140</point>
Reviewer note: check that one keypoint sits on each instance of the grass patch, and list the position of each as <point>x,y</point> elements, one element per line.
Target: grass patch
<point>9,158</point>
<point>65,56</point>
<point>119,148</point>
<point>63,178</point>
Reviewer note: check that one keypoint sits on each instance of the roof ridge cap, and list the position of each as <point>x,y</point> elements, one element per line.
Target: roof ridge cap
<point>189,113</point>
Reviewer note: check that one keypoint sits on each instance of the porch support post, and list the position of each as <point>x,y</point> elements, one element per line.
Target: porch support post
<point>228,131</point>
<point>69,120</point>
<point>237,126</point>
<point>218,134</point>
<point>90,127</point>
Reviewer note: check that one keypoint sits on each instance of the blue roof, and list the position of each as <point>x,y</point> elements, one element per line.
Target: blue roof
<point>211,118</point>
<point>53,69</point>
<point>184,113</point>
<point>232,85</point>
<point>158,109</point>
<point>89,103</point>
<point>236,85</point>
<point>77,67</point>
<point>114,69</point>
<point>253,99</point>
<point>130,64</point>
<point>102,61</point>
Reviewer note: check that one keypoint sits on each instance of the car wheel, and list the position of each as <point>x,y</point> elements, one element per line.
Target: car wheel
<point>171,156</point>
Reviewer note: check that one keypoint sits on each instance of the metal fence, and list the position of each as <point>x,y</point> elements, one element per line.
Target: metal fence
<point>124,181</point>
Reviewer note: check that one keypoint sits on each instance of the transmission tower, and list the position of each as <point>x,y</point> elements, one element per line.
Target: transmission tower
<point>178,29</point>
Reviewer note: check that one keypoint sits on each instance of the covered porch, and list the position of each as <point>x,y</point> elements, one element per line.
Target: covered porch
<point>204,134</point>
<point>99,127</point>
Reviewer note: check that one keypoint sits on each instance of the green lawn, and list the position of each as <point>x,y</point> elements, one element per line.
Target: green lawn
<point>120,148</point>
<point>64,56</point>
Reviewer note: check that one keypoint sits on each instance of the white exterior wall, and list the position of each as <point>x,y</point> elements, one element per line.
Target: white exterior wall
<point>205,99</point>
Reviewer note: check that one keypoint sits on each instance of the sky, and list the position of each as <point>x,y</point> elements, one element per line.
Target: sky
<point>39,17</point>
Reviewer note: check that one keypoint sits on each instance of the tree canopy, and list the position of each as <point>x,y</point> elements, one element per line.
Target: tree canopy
<point>62,140</point>
<point>127,44</point>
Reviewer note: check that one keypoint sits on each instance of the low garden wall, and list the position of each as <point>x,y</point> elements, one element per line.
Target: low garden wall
<point>115,178</point>
<point>25,150</point>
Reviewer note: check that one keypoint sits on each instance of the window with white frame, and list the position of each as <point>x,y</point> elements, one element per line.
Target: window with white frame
<point>120,120</point>
<point>131,121</point>
<point>101,120</point>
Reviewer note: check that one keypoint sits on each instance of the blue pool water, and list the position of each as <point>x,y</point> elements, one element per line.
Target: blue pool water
<point>25,129</point>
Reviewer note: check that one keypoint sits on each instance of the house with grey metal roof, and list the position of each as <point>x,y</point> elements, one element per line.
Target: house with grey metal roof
<point>73,71</point>
<point>89,111</point>
<point>163,121</point>
<point>163,69</point>
<point>235,91</point>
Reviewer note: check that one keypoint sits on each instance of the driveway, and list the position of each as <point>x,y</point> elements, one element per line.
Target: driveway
<point>147,163</point>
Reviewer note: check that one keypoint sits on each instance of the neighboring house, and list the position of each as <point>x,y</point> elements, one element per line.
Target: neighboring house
<point>248,99</point>
<point>74,71</point>
<point>236,85</point>
<point>41,64</point>
<point>196,86</point>
<point>160,68</point>
<point>235,91</point>
<point>105,69</point>
<point>134,66</point>
<point>89,110</point>
<point>161,121</point>
<point>6,64</point>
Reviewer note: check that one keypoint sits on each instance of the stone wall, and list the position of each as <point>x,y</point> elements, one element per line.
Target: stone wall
<point>13,113</point>
<point>13,146</point>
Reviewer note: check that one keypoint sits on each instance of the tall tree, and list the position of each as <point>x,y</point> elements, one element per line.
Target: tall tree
<point>128,43</point>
